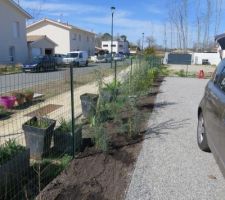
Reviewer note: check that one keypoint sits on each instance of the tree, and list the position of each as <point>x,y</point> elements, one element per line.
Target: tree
<point>150,40</point>
<point>106,37</point>
<point>139,43</point>
<point>123,38</point>
<point>150,51</point>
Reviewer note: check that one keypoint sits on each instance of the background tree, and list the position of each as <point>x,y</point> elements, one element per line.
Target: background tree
<point>150,51</point>
<point>106,37</point>
<point>150,40</point>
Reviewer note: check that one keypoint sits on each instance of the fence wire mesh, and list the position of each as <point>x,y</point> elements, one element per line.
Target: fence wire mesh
<point>38,136</point>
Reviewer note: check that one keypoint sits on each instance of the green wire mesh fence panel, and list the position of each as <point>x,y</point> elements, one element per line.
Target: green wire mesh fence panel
<point>36,135</point>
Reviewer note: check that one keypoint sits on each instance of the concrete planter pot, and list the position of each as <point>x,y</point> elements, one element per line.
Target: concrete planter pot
<point>63,142</point>
<point>14,171</point>
<point>29,96</point>
<point>38,139</point>
<point>7,101</point>
<point>20,98</point>
<point>88,104</point>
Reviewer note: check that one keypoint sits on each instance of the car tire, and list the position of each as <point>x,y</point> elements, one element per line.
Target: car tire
<point>201,134</point>
<point>86,64</point>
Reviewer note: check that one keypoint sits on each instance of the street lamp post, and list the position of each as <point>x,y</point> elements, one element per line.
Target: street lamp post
<point>143,35</point>
<point>112,10</point>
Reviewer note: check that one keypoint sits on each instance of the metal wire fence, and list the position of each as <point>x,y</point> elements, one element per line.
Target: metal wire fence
<point>35,109</point>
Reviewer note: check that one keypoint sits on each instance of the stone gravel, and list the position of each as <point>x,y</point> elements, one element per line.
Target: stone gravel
<point>170,165</point>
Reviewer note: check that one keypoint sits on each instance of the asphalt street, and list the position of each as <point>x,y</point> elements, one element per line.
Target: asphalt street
<point>25,80</point>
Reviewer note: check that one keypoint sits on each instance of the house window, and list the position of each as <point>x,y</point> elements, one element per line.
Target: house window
<point>12,53</point>
<point>16,29</point>
<point>74,36</point>
<point>105,45</point>
<point>79,37</point>
<point>113,45</point>
<point>121,46</point>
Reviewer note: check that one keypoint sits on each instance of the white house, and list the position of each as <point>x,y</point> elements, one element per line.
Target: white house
<point>13,44</point>
<point>40,45</point>
<point>117,46</point>
<point>67,37</point>
<point>212,58</point>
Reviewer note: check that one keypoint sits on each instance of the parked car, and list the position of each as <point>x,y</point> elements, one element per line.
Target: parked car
<point>77,58</point>
<point>103,58</point>
<point>40,64</point>
<point>211,117</point>
<point>118,57</point>
<point>205,62</point>
<point>59,58</point>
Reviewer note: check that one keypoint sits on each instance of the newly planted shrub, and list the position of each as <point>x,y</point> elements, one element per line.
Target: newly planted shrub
<point>9,150</point>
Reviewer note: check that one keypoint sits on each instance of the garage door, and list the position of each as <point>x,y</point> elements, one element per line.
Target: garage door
<point>182,59</point>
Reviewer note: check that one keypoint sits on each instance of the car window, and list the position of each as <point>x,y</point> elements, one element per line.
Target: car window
<point>80,55</point>
<point>218,71</point>
<point>221,80</point>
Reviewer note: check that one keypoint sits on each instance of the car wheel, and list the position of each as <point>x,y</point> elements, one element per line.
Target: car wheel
<point>86,63</point>
<point>201,134</point>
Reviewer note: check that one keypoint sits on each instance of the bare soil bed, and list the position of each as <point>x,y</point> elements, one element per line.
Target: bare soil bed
<point>95,175</point>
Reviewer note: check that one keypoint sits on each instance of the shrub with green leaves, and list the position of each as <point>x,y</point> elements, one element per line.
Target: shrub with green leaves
<point>181,73</point>
<point>9,150</point>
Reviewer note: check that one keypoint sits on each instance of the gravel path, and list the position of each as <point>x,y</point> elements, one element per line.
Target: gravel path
<point>170,165</point>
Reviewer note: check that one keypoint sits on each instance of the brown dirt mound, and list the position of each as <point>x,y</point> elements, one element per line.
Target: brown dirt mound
<point>98,177</point>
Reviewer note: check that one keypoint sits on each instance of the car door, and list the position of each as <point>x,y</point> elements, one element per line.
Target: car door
<point>220,148</point>
<point>214,111</point>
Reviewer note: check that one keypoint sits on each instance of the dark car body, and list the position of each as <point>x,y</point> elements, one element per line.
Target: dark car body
<point>104,58</point>
<point>211,117</point>
<point>40,64</point>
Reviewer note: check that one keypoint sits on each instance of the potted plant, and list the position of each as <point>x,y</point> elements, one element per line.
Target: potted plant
<point>14,165</point>
<point>63,137</point>
<point>38,135</point>
<point>29,94</point>
<point>88,104</point>
<point>20,98</point>
<point>7,101</point>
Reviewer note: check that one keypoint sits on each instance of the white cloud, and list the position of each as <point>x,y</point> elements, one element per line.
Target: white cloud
<point>54,7</point>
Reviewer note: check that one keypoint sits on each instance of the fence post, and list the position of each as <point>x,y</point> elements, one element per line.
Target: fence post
<point>72,109</point>
<point>131,65</point>
<point>115,71</point>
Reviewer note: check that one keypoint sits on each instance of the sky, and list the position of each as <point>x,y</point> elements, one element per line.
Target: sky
<point>131,17</point>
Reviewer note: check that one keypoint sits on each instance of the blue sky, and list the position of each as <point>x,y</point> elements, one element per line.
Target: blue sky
<point>131,17</point>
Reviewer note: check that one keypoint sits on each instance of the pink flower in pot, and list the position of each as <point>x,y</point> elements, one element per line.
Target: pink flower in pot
<point>7,101</point>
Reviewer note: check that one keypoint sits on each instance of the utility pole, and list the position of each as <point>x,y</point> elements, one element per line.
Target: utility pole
<point>112,10</point>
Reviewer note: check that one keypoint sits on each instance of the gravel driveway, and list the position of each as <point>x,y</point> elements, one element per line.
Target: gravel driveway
<point>170,165</point>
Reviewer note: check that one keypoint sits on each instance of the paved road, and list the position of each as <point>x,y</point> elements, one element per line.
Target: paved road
<point>170,165</point>
<point>25,80</point>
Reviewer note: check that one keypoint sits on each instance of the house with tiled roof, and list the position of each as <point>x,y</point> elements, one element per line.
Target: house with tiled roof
<point>66,36</point>
<point>13,43</point>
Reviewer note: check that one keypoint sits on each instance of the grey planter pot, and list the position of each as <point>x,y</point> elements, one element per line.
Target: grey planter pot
<point>88,104</point>
<point>13,172</point>
<point>38,140</point>
<point>63,142</point>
